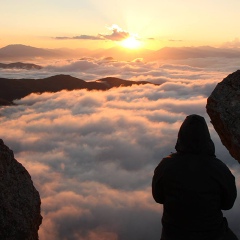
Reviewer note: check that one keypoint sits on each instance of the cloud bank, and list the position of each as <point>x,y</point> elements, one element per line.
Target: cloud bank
<point>87,68</point>
<point>117,35</point>
<point>92,154</point>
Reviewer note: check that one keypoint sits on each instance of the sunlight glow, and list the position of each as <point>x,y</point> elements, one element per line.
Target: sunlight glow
<point>131,42</point>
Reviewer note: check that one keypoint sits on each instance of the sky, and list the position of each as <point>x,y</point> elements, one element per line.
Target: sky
<point>97,24</point>
<point>91,154</point>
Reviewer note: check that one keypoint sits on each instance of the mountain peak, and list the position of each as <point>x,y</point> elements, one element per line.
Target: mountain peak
<point>17,51</point>
<point>11,89</point>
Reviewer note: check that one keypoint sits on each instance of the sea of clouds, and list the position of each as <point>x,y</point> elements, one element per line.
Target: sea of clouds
<point>91,154</point>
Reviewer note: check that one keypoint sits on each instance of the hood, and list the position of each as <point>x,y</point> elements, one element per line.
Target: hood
<point>194,137</point>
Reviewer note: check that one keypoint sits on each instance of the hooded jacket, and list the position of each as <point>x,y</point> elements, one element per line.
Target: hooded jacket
<point>193,186</point>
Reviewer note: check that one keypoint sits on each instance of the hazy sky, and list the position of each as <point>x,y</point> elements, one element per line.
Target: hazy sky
<point>156,23</point>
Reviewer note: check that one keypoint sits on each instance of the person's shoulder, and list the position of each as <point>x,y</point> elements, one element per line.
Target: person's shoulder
<point>218,164</point>
<point>166,163</point>
<point>170,159</point>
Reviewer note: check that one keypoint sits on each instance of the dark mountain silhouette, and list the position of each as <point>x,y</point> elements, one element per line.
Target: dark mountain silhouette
<point>117,82</point>
<point>11,89</point>
<point>20,65</point>
<point>4,102</point>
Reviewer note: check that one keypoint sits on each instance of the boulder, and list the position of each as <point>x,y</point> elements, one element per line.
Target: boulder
<point>20,202</point>
<point>223,108</point>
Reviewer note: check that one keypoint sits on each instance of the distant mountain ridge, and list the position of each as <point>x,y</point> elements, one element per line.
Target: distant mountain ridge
<point>22,52</point>
<point>11,89</point>
<point>20,65</point>
<point>195,52</point>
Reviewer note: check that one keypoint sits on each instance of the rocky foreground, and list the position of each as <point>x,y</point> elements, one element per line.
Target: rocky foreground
<point>20,202</point>
<point>223,108</point>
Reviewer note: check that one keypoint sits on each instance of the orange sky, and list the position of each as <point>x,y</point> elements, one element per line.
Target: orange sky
<point>156,23</point>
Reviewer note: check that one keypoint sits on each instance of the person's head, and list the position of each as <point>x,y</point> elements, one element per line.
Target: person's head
<point>194,136</point>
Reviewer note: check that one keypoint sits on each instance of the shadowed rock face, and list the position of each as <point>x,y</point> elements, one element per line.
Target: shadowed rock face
<point>223,108</point>
<point>20,216</point>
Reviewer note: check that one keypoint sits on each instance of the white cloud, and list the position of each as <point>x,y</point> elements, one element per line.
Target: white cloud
<point>92,154</point>
<point>235,43</point>
<point>92,69</point>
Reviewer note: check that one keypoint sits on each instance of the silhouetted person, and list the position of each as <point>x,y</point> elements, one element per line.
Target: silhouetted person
<point>194,186</point>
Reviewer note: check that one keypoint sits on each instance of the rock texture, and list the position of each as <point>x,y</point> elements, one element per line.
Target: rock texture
<point>20,216</point>
<point>223,108</point>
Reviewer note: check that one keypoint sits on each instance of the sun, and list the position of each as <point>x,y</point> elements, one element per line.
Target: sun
<point>131,43</point>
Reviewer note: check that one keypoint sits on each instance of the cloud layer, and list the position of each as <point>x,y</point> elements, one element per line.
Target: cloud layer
<point>87,68</point>
<point>92,154</point>
<point>117,35</point>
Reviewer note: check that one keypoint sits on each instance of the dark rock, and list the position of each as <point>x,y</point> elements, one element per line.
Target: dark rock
<point>20,202</point>
<point>11,89</point>
<point>223,108</point>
